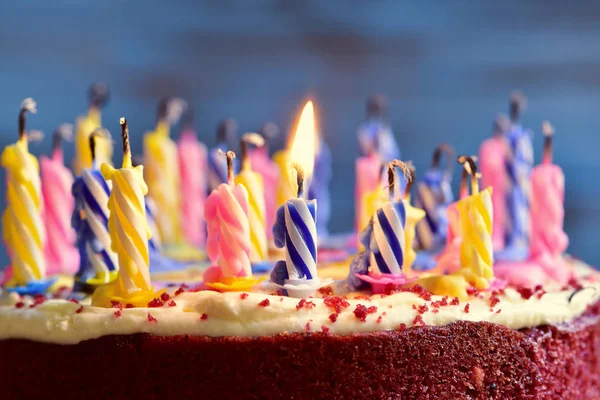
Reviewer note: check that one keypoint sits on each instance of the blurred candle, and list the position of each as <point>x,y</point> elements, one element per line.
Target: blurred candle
<point>319,185</point>
<point>376,132</point>
<point>434,194</point>
<point>368,178</point>
<point>155,242</point>
<point>98,97</point>
<point>129,233</point>
<point>162,171</point>
<point>22,227</point>
<point>413,216</point>
<point>519,165</point>
<point>98,264</point>
<point>60,252</point>
<point>193,169</point>
<point>548,240</point>
<point>492,156</point>
<point>217,165</point>
<point>252,181</point>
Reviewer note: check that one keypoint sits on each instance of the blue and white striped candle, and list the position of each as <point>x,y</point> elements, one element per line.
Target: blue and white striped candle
<point>519,165</point>
<point>301,239</point>
<point>98,262</point>
<point>387,241</point>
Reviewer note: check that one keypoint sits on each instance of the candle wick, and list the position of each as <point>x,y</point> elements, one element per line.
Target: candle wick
<point>98,96</point>
<point>468,163</point>
<point>440,150</point>
<point>126,148</point>
<point>299,179</point>
<point>27,105</point>
<point>548,132</point>
<point>408,173</point>
<point>230,156</point>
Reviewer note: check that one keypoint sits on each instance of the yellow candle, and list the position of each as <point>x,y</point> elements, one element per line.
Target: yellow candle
<point>129,233</point>
<point>256,200</point>
<point>162,176</point>
<point>285,190</point>
<point>88,124</point>
<point>22,227</point>
<point>413,216</point>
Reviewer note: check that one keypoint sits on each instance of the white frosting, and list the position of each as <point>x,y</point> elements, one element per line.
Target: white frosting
<point>56,321</point>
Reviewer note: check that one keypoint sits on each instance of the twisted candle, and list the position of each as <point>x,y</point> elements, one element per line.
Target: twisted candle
<point>252,181</point>
<point>376,133</point>
<point>22,227</point>
<point>98,97</point>
<point>162,171</point>
<point>97,262</point>
<point>60,252</point>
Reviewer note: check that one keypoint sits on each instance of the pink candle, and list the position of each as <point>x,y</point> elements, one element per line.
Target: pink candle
<point>262,164</point>
<point>57,180</point>
<point>193,169</point>
<point>228,244</point>
<point>548,240</point>
<point>492,156</point>
<point>368,178</point>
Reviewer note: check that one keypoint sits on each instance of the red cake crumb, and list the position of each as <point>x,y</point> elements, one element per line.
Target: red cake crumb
<point>455,302</point>
<point>379,319</point>
<point>265,303</point>
<point>117,313</point>
<point>419,291</point>
<point>307,327</point>
<point>333,317</point>
<point>336,302</point>
<point>165,297</point>
<point>179,291</point>
<point>19,304</point>
<point>466,310</point>
<point>74,300</point>
<point>309,305</point>
<point>172,303</point>
<point>418,320</point>
<point>422,309</point>
<point>435,310</point>
<point>280,299</point>
<point>204,317</point>
<point>151,318</point>
<point>326,291</point>
<point>117,304</point>
<point>499,310</point>
<point>156,302</point>
<point>362,297</point>
<point>279,292</point>
<point>324,329</point>
<point>244,296</point>
<point>37,300</point>
<point>471,291</point>
<point>525,292</point>
<point>79,310</point>
<point>129,305</point>
<point>402,327</point>
<point>440,303</point>
<point>540,294</point>
<point>494,299</point>
<point>361,312</point>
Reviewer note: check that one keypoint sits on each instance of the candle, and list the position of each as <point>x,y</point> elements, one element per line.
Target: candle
<point>434,194</point>
<point>262,164</point>
<point>60,252</point>
<point>162,171</point>
<point>98,97</point>
<point>295,229</point>
<point>385,239</point>
<point>252,181</point>
<point>228,243</point>
<point>129,233</point>
<point>319,185</point>
<point>22,227</point>
<point>368,177</point>
<point>193,168</point>
<point>548,240</point>
<point>155,242</point>
<point>217,165</point>
<point>98,264</point>
<point>376,132</point>
<point>492,154</point>
<point>519,165</point>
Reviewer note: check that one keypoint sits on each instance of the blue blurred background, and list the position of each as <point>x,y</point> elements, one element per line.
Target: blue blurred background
<point>447,66</point>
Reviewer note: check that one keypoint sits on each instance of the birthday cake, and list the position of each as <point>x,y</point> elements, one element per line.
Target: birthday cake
<point>436,303</point>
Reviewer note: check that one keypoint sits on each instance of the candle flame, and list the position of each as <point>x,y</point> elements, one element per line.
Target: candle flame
<point>303,144</point>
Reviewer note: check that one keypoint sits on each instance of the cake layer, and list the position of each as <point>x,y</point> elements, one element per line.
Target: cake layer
<point>462,360</point>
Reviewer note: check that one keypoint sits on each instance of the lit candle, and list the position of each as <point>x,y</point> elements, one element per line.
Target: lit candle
<point>519,165</point>
<point>261,162</point>
<point>376,132</point>
<point>217,165</point>
<point>252,181</point>
<point>228,243</point>
<point>129,233</point>
<point>98,97</point>
<point>434,194</point>
<point>22,227</point>
<point>98,263</point>
<point>193,169</point>
<point>548,240</point>
<point>385,239</point>
<point>162,171</point>
<point>295,229</point>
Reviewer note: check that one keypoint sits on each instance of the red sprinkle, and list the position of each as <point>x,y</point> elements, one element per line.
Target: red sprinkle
<point>333,317</point>
<point>156,302</point>
<point>20,304</point>
<point>165,297</point>
<point>279,292</point>
<point>402,327</point>
<point>494,300</point>
<point>129,305</point>
<point>498,312</point>
<point>307,327</point>
<point>440,303</point>
<point>324,329</point>
<point>244,296</point>
<point>151,318</point>
<point>455,302</point>
<point>204,317</point>
<point>471,291</point>
<point>74,300</point>
<point>419,291</point>
<point>117,313</point>
<point>541,294</point>
<point>179,291</point>
<point>435,310</point>
<point>79,310</point>
<point>418,320</point>
<point>379,319</point>
<point>361,312</point>
<point>309,305</point>
<point>422,309</point>
<point>37,300</point>
<point>466,310</point>
<point>525,293</point>
<point>172,303</point>
<point>117,304</point>
<point>336,302</point>
<point>326,291</point>
<point>265,303</point>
